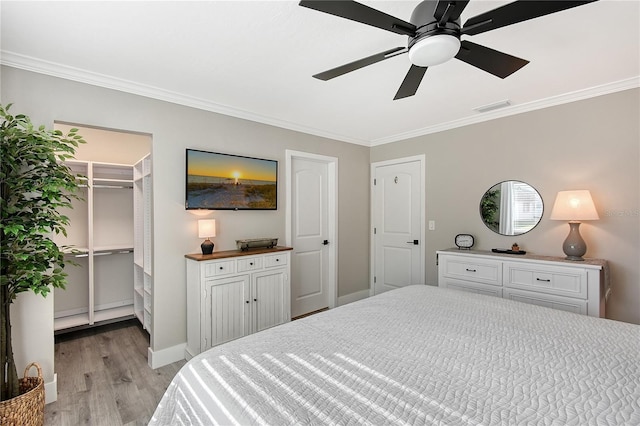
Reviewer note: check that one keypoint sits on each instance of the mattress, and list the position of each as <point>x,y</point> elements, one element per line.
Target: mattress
<point>418,355</point>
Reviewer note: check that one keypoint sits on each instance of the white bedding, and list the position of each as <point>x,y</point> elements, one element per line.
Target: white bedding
<point>418,355</point>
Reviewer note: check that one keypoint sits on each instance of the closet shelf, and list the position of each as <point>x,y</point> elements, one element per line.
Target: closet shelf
<point>118,312</point>
<point>101,251</point>
<point>142,258</point>
<point>76,251</point>
<point>128,248</point>
<point>70,321</point>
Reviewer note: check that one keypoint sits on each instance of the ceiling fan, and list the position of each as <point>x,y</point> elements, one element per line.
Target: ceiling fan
<point>434,34</point>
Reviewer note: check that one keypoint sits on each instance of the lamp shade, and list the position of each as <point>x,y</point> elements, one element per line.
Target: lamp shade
<point>574,205</point>
<point>206,228</point>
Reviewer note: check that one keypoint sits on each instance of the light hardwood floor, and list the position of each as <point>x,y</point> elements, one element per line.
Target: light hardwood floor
<point>104,379</point>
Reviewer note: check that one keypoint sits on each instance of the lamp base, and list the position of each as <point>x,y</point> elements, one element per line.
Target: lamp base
<point>575,258</point>
<point>207,246</point>
<point>574,246</point>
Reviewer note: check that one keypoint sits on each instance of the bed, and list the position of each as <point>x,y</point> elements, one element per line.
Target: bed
<point>415,356</point>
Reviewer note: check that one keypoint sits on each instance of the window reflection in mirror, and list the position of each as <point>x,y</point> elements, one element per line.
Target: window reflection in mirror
<point>511,208</point>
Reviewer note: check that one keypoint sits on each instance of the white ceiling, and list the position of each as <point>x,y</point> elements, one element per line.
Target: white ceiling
<point>255,59</point>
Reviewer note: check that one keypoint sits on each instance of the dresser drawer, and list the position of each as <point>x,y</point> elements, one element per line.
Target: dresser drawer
<point>222,267</point>
<point>275,260</point>
<point>471,287</point>
<point>471,269</point>
<point>249,264</point>
<point>570,282</point>
<point>577,306</point>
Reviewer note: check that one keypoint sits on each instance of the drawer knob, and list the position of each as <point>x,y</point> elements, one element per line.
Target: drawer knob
<point>247,301</point>
<point>471,270</point>
<point>221,268</point>
<point>250,263</point>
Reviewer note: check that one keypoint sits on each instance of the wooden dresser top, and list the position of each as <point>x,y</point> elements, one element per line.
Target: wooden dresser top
<point>235,253</point>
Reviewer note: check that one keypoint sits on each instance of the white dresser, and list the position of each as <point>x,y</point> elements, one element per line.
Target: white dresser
<point>580,287</point>
<point>234,293</point>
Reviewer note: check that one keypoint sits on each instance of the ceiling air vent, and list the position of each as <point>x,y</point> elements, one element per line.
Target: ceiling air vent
<point>493,106</point>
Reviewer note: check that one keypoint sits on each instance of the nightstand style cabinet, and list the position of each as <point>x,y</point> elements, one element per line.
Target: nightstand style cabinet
<point>579,287</point>
<point>231,294</point>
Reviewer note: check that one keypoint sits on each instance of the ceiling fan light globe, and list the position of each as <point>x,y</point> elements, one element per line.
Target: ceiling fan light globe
<point>434,50</point>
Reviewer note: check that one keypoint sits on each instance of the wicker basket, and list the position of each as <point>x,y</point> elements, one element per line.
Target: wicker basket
<point>26,409</point>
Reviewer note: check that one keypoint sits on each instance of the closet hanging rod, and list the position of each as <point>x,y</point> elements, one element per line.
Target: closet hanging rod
<point>114,186</point>
<point>106,253</point>
<point>76,252</point>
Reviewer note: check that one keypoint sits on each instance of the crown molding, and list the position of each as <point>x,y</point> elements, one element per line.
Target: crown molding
<point>40,66</point>
<point>617,86</point>
<point>27,63</point>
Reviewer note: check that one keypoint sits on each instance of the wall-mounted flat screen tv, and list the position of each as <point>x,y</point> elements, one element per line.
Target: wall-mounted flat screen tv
<point>217,181</point>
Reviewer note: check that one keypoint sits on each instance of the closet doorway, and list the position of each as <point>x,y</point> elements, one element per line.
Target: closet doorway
<point>100,235</point>
<point>397,216</point>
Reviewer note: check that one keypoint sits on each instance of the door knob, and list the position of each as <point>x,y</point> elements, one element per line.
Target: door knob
<point>325,243</point>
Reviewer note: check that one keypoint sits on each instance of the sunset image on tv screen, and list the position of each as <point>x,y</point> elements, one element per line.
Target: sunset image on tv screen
<point>230,182</point>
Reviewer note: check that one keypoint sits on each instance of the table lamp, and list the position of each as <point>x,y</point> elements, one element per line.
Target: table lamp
<point>207,229</point>
<point>574,206</point>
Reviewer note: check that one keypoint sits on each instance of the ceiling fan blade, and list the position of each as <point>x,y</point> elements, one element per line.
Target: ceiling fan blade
<point>497,63</point>
<point>411,82</point>
<point>518,11</point>
<point>448,10</point>
<point>361,63</point>
<point>360,13</point>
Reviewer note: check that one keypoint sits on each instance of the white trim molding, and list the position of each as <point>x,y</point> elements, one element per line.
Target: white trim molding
<point>353,297</point>
<point>166,356</point>
<point>51,390</point>
<point>28,63</point>
<point>565,98</point>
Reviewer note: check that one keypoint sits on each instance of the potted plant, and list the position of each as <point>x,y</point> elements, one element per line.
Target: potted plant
<point>35,187</point>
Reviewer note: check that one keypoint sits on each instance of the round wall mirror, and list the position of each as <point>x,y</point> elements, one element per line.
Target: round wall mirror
<point>511,208</point>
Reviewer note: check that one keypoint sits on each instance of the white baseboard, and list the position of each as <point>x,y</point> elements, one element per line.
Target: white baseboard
<point>352,297</point>
<point>188,354</point>
<point>51,390</point>
<point>166,356</point>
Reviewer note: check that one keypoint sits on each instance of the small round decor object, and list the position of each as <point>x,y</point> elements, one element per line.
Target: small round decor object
<point>464,241</point>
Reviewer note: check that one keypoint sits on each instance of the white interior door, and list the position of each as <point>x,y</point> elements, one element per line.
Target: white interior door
<point>311,204</point>
<point>398,224</point>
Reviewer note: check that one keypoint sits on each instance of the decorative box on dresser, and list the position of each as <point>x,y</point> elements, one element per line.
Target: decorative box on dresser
<point>234,293</point>
<point>580,287</point>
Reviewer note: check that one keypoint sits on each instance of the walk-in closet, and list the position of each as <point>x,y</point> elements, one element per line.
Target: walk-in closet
<point>110,278</point>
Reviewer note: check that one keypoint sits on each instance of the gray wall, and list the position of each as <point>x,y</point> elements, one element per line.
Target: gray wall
<point>591,144</point>
<point>174,128</point>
